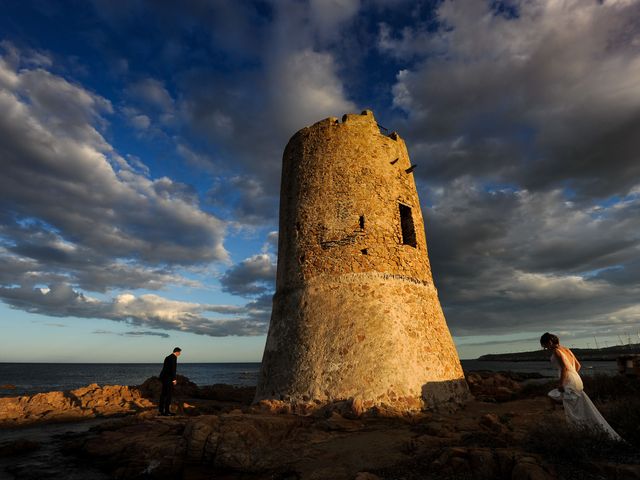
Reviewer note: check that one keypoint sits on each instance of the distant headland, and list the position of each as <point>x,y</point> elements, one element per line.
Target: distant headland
<point>593,354</point>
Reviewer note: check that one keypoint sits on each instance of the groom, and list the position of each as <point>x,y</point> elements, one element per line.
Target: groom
<point>168,378</point>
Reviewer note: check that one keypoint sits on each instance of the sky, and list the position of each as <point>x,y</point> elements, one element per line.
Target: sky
<point>141,146</point>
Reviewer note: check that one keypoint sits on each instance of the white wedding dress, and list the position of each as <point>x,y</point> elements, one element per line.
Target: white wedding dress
<point>578,407</point>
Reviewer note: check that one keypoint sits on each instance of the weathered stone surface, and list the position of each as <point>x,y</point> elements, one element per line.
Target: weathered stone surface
<point>90,401</point>
<point>281,446</point>
<point>366,476</point>
<point>529,468</point>
<point>140,449</point>
<point>356,313</point>
<point>184,387</point>
<point>489,464</point>
<point>18,447</point>
<point>493,387</point>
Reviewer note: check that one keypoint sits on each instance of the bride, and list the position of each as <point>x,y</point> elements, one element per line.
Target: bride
<point>578,407</point>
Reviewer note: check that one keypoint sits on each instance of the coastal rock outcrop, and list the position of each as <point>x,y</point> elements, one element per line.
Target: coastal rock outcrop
<point>90,401</point>
<point>152,387</point>
<point>492,386</point>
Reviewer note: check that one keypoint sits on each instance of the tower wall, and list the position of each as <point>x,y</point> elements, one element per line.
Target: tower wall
<point>355,312</point>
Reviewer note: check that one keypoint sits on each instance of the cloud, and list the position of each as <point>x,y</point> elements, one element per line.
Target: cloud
<point>546,97</point>
<point>248,115</point>
<point>153,93</point>
<point>271,243</point>
<point>512,260</point>
<point>328,16</point>
<point>76,215</point>
<point>244,200</point>
<point>50,144</point>
<point>136,333</point>
<point>149,311</point>
<point>522,118</point>
<point>136,119</point>
<point>253,276</point>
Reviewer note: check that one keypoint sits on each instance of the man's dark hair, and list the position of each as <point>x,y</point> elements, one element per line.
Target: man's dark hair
<point>177,349</point>
<point>549,337</point>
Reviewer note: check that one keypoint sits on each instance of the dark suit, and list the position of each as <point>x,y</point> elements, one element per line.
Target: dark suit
<point>167,376</point>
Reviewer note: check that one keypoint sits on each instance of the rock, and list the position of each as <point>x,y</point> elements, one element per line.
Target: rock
<point>483,464</point>
<point>493,387</point>
<point>152,387</point>
<point>337,422</point>
<point>460,466</point>
<point>227,393</point>
<point>18,447</point>
<point>201,437</point>
<point>506,461</point>
<point>152,449</point>
<point>628,472</point>
<point>274,406</point>
<point>366,476</point>
<point>7,386</point>
<point>246,443</point>
<point>528,468</point>
<point>90,401</point>
<point>357,407</point>
<point>492,422</point>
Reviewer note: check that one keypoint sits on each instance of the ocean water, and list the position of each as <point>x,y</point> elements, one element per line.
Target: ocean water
<point>29,378</point>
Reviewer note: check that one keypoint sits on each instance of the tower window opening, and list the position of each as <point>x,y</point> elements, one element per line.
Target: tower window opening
<point>361,222</point>
<point>406,224</point>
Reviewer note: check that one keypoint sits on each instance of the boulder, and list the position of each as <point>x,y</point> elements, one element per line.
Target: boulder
<point>493,387</point>
<point>246,443</point>
<point>183,388</point>
<point>227,393</point>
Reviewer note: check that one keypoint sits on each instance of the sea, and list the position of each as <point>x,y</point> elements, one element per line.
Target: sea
<point>29,378</point>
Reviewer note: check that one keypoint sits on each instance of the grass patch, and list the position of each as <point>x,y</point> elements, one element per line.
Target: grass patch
<point>623,415</point>
<point>602,388</point>
<point>562,443</point>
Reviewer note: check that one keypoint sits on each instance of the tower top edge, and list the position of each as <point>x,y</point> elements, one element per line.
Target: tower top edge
<point>365,119</point>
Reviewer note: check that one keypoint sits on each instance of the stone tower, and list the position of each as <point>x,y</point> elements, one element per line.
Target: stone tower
<point>355,314</point>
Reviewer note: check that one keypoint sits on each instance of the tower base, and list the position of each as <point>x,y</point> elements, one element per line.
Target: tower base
<point>375,337</point>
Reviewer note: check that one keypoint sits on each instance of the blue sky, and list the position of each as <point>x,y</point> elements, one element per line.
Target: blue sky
<point>140,145</point>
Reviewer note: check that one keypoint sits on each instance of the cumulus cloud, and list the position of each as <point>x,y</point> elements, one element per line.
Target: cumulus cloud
<point>253,276</point>
<point>271,243</point>
<point>50,143</point>
<point>244,200</point>
<point>508,260</point>
<point>522,116</point>
<point>153,93</point>
<point>248,116</point>
<point>148,311</point>
<point>76,215</point>
<point>547,96</point>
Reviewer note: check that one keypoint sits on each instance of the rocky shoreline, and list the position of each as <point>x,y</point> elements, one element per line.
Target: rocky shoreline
<point>218,433</point>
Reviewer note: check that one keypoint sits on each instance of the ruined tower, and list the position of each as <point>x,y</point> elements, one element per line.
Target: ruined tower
<point>356,313</point>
